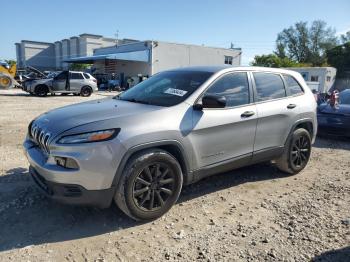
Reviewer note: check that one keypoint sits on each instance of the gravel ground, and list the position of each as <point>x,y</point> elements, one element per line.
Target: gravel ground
<point>251,214</point>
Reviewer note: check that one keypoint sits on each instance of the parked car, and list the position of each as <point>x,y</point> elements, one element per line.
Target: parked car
<point>140,147</point>
<point>335,119</point>
<point>66,82</point>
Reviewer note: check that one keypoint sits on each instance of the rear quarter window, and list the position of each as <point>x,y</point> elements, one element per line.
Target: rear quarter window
<point>76,76</point>
<point>269,86</point>
<point>293,86</point>
<point>86,76</point>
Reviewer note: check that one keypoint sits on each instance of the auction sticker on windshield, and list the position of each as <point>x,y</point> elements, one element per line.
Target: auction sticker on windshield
<point>175,92</point>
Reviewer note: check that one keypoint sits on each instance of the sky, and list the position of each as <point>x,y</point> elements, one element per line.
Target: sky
<point>251,24</point>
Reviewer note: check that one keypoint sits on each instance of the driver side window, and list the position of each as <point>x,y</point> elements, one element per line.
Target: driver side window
<point>61,76</point>
<point>233,86</point>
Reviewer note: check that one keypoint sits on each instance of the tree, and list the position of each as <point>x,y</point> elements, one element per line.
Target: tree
<point>305,44</point>
<point>79,67</point>
<point>10,62</point>
<point>339,57</point>
<point>272,60</point>
<point>345,38</point>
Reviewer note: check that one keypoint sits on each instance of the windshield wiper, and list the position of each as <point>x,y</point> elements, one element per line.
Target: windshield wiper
<point>133,100</point>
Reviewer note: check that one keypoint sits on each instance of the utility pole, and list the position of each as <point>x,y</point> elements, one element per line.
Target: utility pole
<point>116,37</point>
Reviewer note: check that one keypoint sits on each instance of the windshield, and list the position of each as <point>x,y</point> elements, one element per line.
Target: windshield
<point>344,97</point>
<point>167,88</point>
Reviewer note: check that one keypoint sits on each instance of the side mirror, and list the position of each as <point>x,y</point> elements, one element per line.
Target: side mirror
<point>211,101</point>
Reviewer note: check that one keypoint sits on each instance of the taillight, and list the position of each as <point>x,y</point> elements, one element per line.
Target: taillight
<point>94,80</point>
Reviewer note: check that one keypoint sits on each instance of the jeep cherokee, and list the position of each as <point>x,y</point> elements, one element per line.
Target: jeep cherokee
<point>179,126</point>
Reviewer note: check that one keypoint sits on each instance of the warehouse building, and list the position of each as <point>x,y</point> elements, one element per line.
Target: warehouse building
<point>50,56</point>
<point>123,59</point>
<point>150,57</point>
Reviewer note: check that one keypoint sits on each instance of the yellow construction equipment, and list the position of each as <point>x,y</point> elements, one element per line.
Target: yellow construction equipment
<point>7,74</point>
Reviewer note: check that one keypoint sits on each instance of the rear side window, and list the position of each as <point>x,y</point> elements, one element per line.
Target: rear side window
<point>76,76</point>
<point>86,76</point>
<point>234,87</point>
<point>292,85</point>
<point>269,86</point>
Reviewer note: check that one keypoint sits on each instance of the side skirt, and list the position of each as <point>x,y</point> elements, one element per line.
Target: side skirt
<point>237,162</point>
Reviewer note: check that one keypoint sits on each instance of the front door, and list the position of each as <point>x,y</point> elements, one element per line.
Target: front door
<point>225,134</point>
<point>59,82</point>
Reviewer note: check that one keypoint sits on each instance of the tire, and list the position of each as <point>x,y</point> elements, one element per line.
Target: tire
<point>86,91</point>
<point>297,152</point>
<point>5,81</point>
<point>41,90</point>
<point>151,174</point>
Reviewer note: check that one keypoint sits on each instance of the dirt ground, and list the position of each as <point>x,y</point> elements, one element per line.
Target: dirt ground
<point>251,214</point>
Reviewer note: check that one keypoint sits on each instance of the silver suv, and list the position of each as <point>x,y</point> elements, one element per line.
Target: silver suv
<point>179,126</point>
<point>66,82</point>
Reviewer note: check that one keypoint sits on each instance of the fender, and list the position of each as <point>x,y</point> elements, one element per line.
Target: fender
<point>302,121</point>
<point>162,143</point>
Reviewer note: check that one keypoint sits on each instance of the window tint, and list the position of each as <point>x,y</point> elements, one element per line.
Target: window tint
<point>292,85</point>
<point>61,76</point>
<point>86,76</point>
<point>76,76</point>
<point>234,87</point>
<point>269,86</point>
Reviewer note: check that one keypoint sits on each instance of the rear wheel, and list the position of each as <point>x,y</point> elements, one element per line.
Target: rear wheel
<point>86,91</point>
<point>41,90</point>
<point>151,185</point>
<point>297,153</point>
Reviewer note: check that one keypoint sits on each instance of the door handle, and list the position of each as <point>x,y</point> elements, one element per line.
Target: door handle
<point>291,106</point>
<point>247,114</point>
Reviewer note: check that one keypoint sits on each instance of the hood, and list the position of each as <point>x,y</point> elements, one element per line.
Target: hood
<point>41,81</point>
<point>341,109</point>
<point>68,117</point>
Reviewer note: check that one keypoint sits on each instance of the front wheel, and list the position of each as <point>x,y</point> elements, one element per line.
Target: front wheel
<point>151,185</point>
<point>41,90</point>
<point>297,152</point>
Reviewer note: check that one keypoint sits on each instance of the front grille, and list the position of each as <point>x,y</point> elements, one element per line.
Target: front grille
<point>40,136</point>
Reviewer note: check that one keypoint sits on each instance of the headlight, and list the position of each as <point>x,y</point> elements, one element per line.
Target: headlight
<point>95,136</point>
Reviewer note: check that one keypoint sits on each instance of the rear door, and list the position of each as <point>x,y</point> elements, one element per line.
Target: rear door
<point>225,134</point>
<point>277,111</point>
<point>76,81</point>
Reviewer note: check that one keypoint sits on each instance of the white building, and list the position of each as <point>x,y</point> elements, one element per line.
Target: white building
<point>125,58</point>
<point>50,56</point>
<point>320,79</point>
<point>150,57</point>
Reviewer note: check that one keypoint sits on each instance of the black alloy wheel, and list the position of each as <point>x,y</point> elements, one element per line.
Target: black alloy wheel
<point>150,186</point>
<point>300,152</point>
<point>153,187</point>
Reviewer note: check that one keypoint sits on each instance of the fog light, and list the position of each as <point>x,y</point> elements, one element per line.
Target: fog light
<point>66,162</point>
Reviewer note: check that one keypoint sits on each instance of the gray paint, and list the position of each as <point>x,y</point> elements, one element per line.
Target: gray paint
<point>208,137</point>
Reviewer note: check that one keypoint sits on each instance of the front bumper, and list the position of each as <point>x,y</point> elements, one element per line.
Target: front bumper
<point>72,194</point>
<point>97,163</point>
